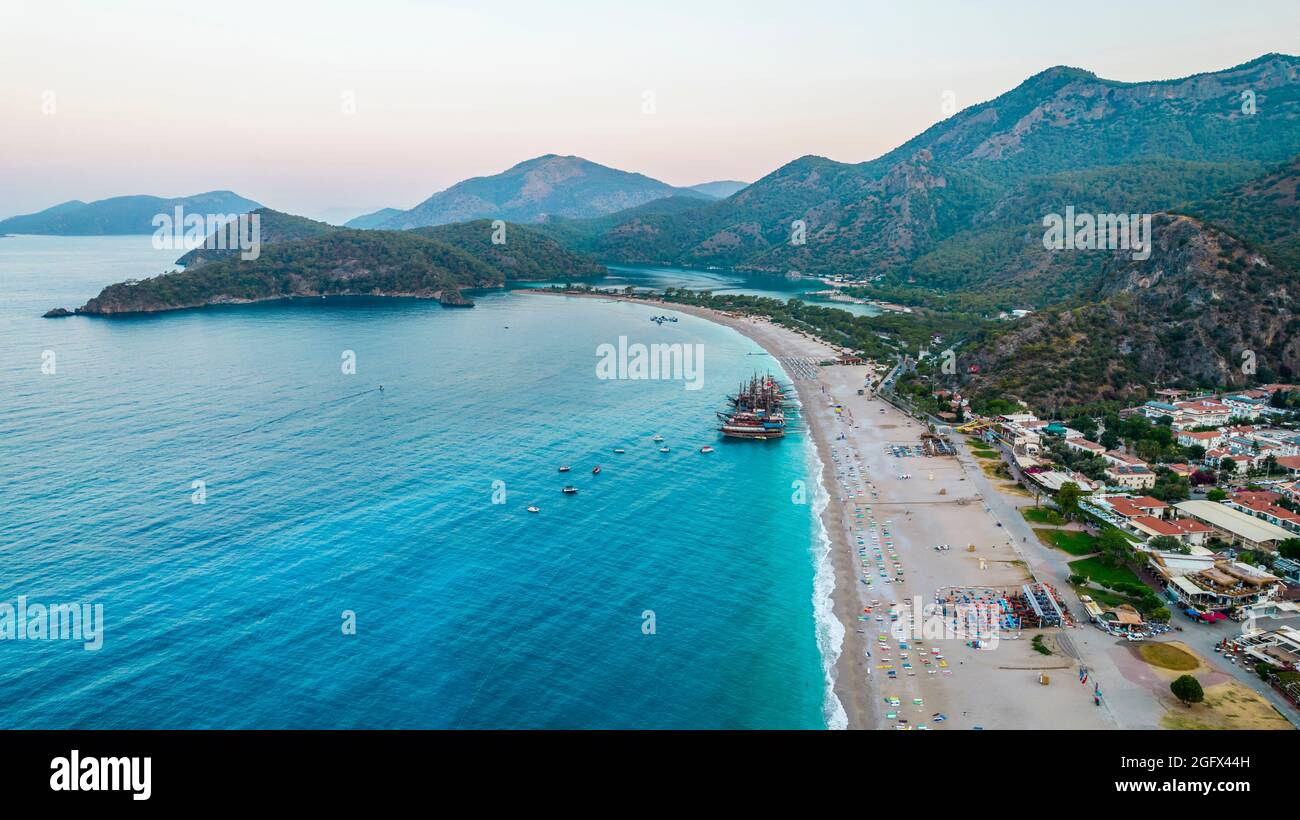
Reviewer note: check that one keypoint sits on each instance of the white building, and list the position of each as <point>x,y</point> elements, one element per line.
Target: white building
<point>1235,526</point>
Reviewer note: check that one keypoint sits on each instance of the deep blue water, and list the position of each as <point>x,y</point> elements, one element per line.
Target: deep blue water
<point>325,495</point>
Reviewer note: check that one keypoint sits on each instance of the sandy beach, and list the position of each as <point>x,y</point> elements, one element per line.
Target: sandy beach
<point>883,530</point>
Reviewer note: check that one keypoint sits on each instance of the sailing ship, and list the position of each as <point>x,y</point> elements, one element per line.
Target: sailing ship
<point>756,411</point>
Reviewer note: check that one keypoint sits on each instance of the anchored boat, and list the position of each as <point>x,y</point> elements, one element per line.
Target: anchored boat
<point>757,411</point>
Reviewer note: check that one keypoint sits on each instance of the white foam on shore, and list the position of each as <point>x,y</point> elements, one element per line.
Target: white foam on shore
<point>830,632</point>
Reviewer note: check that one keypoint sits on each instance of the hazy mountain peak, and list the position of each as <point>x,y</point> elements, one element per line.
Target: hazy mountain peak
<point>119,215</point>
<point>546,186</point>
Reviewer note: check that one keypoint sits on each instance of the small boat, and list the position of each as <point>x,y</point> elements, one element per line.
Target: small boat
<point>619,450</point>
<point>564,469</point>
<point>595,470</point>
<point>663,449</point>
<point>657,438</point>
<point>570,491</point>
<point>706,449</point>
<point>533,510</point>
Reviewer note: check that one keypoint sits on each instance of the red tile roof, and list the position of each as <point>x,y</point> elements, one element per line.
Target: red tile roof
<point>1149,503</point>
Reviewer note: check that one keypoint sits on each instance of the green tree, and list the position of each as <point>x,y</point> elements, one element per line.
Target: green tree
<point>1067,498</point>
<point>1216,494</point>
<point>1290,548</point>
<point>1086,425</point>
<point>1165,543</point>
<point>1115,548</point>
<point>1188,690</point>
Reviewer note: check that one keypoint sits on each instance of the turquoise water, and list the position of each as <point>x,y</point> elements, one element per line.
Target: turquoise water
<point>325,495</point>
<point>771,286</point>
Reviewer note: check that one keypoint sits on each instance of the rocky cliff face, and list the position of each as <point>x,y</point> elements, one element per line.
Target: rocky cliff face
<point>1205,309</point>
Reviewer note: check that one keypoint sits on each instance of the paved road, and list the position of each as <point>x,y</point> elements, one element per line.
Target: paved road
<point>1204,637</point>
<point>1053,566</point>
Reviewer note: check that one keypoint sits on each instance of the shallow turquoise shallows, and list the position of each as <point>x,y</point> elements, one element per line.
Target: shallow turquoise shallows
<point>325,495</point>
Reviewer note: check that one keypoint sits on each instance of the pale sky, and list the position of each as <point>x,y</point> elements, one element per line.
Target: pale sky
<point>103,99</point>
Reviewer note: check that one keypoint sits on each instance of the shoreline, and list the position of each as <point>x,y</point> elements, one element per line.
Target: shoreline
<point>867,451</point>
<point>859,709</point>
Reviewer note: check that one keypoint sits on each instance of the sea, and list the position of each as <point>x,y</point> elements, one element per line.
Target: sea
<point>314,514</point>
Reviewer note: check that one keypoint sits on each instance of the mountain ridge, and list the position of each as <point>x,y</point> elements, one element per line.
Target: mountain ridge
<point>437,262</point>
<point>550,185</point>
<point>122,215</point>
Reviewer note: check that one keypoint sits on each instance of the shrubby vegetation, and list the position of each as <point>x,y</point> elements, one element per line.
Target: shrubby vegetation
<point>353,262</point>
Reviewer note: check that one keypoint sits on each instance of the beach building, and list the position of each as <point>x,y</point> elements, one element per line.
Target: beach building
<point>1155,409</point>
<point>1123,618</point>
<point>1242,462</point>
<point>1290,463</point>
<point>1279,647</point>
<point>1052,480</point>
<point>1120,510</point>
<point>1121,459</point>
<point>1206,583</point>
<point>1250,404</point>
<point>1263,505</point>
<point>1235,526</point>
<point>1020,432</point>
<point>1201,413</point>
<point>1283,442</point>
<point>1288,569</point>
<point>1209,439</point>
<point>1084,446</point>
<point>1148,518</point>
<point>1131,476</point>
<point>1187,530</point>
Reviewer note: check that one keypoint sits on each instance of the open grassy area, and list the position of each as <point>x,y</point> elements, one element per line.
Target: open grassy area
<point>1042,515</point>
<point>1075,543</point>
<point>1101,574</point>
<point>1228,705</point>
<point>1168,656</point>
